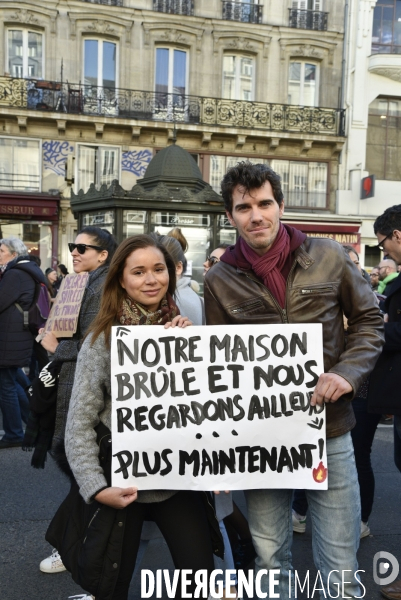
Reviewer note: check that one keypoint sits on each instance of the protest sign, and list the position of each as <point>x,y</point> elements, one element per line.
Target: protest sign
<point>217,408</point>
<point>63,318</point>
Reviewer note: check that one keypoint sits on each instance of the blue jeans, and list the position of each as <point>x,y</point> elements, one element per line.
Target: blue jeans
<point>336,522</point>
<point>13,403</point>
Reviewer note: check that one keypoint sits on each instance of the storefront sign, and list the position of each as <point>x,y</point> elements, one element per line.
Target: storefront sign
<point>27,211</point>
<point>63,318</point>
<point>342,238</point>
<point>217,408</point>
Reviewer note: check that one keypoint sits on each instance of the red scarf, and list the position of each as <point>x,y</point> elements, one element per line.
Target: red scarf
<point>268,267</point>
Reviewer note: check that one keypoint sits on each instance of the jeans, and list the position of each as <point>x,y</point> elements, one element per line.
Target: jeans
<point>397,441</point>
<point>335,515</point>
<point>362,438</point>
<point>13,403</point>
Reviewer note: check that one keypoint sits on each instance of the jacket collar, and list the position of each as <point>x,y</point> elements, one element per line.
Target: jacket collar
<point>303,258</point>
<point>395,286</point>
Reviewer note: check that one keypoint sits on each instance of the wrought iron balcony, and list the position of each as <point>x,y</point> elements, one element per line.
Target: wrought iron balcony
<point>174,7</point>
<point>308,19</point>
<point>108,2</point>
<point>240,11</point>
<point>48,96</point>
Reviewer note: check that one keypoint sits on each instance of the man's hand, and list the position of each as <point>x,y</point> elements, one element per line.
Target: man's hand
<point>330,387</point>
<point>117,497</point>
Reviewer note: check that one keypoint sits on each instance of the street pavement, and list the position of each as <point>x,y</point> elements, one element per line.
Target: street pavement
<point>30,497</point>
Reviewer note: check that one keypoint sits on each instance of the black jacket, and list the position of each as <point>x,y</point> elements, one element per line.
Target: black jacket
<point>89,537</point>
<point>384,386</point>
<point>17,285</point>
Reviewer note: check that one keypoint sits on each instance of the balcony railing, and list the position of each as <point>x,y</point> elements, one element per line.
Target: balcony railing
<point>308,19</point>
<point>71,98</point>
<point>174,7</point>
<point>240,11</point>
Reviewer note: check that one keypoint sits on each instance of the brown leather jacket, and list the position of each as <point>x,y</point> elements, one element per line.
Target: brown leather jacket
<point>323,283</point>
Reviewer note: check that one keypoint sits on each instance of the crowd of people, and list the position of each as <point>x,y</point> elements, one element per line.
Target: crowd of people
<point>273,274</point>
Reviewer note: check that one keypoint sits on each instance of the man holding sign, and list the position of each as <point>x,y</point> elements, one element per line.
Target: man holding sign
<point>276,275</point>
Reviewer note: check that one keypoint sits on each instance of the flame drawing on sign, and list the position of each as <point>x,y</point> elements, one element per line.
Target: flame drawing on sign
<point>320,474</point>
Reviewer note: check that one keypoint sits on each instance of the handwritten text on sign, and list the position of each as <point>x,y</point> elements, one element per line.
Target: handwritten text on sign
<point>63,318</point>
<point>217,408</point>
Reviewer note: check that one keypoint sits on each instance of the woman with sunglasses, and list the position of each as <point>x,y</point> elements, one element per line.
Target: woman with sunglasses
<point>92,252</point>
<point>139,290</point>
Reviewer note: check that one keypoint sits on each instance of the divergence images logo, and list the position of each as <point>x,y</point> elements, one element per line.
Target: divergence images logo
<point>382,574</point>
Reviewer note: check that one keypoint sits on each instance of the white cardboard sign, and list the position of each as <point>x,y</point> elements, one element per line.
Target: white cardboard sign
<point>217,407</point>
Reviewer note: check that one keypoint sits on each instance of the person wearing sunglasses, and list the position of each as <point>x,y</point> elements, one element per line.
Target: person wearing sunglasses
<point>91,252</point>
<point>214,257</point>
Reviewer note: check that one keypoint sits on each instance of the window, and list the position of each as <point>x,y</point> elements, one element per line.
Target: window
<point>386,35</point>
<point>303,84</point>
<point>307,4</point>
<point>97,164</point>
<point>383,149</point>
<point>171,71</point>
<point>304,184</point>
<point>20,164</point>
<point>100,63</point>
<point>25,53</point>
<point>238,77</point>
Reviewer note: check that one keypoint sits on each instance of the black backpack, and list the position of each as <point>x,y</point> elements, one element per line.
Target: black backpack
<point>36,316</point>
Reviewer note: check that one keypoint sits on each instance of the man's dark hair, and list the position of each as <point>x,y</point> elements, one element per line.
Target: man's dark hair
<point>250,177</point>
<point>389,221</point>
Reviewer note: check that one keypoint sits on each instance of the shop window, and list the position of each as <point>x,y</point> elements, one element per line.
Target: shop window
<point>134,222</point>
<point>37,237</point>
<point>304,184</point>
<point>97,164</point>
<point>25,53</point>
<point>238,77</point>
<point>386,35</point>
<point>383,149</point>
<point>20,164</point>
<point>303,84</point>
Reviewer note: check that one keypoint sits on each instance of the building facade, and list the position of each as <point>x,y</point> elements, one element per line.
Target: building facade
<point>90,91</point>
<point>373,101</point>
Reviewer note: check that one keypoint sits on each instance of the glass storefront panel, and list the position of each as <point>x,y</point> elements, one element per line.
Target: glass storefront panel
<point>226,234</point>
<point>134,222</point>
<point>197,229</point>
<point>37,237</point>
<point>99,218</point>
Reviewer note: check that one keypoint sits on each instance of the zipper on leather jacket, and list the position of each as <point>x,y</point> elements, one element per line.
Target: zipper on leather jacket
<point>316,290</point>
<point>282,311</point>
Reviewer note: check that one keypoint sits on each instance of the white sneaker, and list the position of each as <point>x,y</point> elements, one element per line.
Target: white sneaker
<point>52,564</point>
<point>83,597</point>
<point>298,522</point>
<point>365,529</point>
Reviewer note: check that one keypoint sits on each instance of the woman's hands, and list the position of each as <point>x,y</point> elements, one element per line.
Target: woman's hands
<point>49,341</point>
<point>117,497</point>
<point>178,321</point>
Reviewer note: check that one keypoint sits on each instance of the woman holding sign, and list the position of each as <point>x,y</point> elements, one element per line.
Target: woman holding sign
<point>91,253</point>
<point>139,290</point>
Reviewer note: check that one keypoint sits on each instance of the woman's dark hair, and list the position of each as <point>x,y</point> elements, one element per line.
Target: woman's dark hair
<point>114,293</point>
<point>102,238</point>
<point>250,177</point>
<point>63,269</point>
<point>349,249</point>
<point>49,270</point>
<point>174,248</point>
